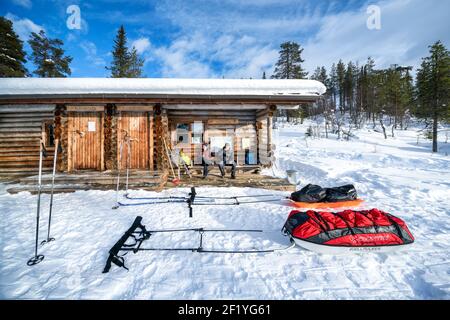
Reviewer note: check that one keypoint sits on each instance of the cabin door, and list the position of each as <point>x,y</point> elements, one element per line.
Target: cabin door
<point>85,140</point>
<point>134,127</point>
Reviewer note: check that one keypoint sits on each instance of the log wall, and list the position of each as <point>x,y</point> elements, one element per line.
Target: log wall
<point>21,128</point>
<point>240,123</point>
<point>264,129</point>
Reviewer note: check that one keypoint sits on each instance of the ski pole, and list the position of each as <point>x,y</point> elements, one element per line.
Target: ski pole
<point>118,175</point>
<point>55,157</point>
<point>128,164</point>
<point>38,258</point>
<point>129,142</point>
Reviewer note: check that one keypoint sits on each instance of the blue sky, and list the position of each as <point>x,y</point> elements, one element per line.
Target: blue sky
<point>232,38</point>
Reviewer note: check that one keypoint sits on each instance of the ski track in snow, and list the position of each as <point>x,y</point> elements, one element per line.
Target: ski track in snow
<point>394,175</point>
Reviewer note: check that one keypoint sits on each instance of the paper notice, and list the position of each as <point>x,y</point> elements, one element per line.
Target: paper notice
<point>91,126</point>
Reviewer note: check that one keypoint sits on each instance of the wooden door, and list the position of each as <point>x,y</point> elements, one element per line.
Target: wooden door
<point>136,126</point>
<point>85,140</point>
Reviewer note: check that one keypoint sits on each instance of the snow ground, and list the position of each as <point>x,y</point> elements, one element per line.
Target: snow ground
<point>394,175</point>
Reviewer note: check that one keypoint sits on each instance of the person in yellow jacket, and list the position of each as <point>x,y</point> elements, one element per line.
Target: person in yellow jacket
<point>185,158</point>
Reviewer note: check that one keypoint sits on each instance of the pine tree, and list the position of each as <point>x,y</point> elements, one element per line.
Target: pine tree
<point>289,62</point>
<point>289,66</point>
<point>126,63</point>
<point>136,64</point>
<point>340,71</point>
<point>333,84</point>
<point>349,85</point>
<point>368,89</point>
<point>121,58</point>
<point>433,86</point>
<point>320,74</point>
<point>12,55</point>
<point>48,56</point>
<point>264,75</point>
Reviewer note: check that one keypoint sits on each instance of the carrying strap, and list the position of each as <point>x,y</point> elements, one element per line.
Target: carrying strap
<point>319,217</point>
<point>366,214</point>
<point>350,228</point>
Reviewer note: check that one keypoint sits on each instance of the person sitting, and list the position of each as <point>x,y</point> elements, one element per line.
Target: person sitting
<point>181,159</point>
<point>227,158</point>
<point>207,160</point>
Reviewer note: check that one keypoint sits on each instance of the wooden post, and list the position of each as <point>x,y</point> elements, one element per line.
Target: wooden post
<point>102,141</point>
<point>150,121</point>
<point>269,137</point>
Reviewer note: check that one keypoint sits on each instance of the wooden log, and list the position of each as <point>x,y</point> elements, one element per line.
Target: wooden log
<point>151,146</point>
<point>212,112</point>
<point>13,130</point>
<point>205,119</point>
<point>20,124</point>
<point>73,108</point>
<point>138,108</point>
<point>216,106</point>
<point>262,113</point>
<point>20,135</point>
<point>19,148</point>
<point>269,135</point>
<point>222,121</point>
<point>26,108</point>
<point>37,115</point>
<point>22,141</point>
<point>23,159</point>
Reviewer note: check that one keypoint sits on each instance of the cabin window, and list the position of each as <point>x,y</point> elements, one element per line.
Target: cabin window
<point>182,132</point>
<point>49,134</point>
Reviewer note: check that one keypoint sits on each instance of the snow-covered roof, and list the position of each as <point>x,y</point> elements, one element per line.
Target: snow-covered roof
<point>29,87</point>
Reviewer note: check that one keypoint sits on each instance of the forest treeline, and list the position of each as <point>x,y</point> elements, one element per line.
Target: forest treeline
<point>364,93</point>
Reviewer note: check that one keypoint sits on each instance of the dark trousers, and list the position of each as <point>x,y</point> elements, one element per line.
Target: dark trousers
<point>205,169</point>
<point>233,169</point>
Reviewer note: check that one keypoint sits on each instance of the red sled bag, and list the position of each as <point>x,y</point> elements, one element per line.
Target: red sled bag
<point>347,231</point>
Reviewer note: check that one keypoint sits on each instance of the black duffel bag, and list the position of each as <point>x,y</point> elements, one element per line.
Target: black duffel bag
<point>343,193</point>
<point>311,193</point>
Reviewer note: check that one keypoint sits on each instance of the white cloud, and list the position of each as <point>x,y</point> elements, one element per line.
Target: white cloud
<point>23,3</point>
<point>407,28</point>
<point>243,37</point>
<point>180,60</point>
<point>23,27</point>
<point>141,45</point>
<point>90,50</point>
<point>240,39</point>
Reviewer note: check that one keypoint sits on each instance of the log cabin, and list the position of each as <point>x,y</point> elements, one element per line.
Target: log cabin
<point>92,117</point>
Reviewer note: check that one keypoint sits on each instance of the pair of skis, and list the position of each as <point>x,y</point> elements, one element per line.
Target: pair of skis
<point>195,200</point>
<point>138,234</point>
<point>37,258</point>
